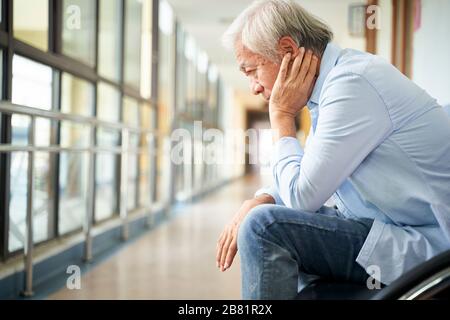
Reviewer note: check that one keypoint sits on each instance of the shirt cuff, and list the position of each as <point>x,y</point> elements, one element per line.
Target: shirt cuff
<point>272,191</point>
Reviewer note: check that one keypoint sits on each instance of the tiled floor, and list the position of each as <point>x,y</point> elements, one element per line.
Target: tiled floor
<point>174,261</point>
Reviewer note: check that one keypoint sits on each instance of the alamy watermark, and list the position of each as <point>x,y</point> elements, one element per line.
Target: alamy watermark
<point>373,17</point>
<point>73,17</point>
<point>73,281</point>
<point>214,146</point>
<point>373,282</point>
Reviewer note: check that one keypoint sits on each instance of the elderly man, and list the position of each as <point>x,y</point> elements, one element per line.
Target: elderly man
<point>379,148</point>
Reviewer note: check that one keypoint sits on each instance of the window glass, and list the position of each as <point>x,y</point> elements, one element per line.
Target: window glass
<point>182,64</point>
<point>132,172</point>
<point>106,194</point>
<point>31,83</point>
<point>144,180</point>
<point>20,129</point>
<point>162,169</point>
<point>133,29</point>
<point>110,27</point>
<point>44,164</point>
<point>202,78</point>
<point>32,87</point>
<point>73,182</point>
<point>212,94</point>
<point>130,112</point>
<point>78,31</point>
<point>107,137</point>
<point>77,96</point>
<point>146,50</point>
<point>31,22</point>
<point>147,116</point>
<point>18,200</point>
<point>43,199</point>
<point>190,52</point>
<point>166,71</point>
<point>74,135</point>
<point>108,103</point>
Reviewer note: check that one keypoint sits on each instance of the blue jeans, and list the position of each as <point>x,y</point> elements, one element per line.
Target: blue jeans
<point>281,247</point>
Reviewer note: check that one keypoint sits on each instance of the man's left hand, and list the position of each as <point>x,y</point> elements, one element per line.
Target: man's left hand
<point>294,85</point>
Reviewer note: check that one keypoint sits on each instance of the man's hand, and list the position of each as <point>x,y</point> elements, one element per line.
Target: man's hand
<point>227,244</point>
<point>291,91</point>
<point>294,84</point>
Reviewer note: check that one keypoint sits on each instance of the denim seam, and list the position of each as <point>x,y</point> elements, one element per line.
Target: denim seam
<point>321,228</point>
<point>264,263</point>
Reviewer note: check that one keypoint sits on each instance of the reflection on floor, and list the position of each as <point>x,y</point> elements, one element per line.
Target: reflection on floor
<point>174,261</point>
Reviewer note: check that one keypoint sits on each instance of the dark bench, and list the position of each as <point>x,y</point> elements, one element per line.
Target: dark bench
<point>429,280</point>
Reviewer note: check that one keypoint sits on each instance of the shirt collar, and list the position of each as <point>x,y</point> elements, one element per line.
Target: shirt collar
<point>329,60</point>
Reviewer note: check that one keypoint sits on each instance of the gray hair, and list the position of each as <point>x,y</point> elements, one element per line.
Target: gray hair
<point>265,22</point>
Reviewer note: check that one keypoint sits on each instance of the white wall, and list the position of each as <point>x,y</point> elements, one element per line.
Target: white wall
<point>431,60</point>
<point>335,13</point>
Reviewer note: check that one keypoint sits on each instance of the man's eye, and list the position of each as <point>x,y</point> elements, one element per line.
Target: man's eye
<point>249,71</point>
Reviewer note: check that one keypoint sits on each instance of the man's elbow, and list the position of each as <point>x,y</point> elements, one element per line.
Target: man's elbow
<point>301,200</point>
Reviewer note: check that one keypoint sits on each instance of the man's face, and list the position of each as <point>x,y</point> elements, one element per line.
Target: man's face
<point>261,72</point>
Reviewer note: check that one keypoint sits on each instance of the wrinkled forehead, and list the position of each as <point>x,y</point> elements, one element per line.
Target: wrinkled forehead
<point>245,56</point>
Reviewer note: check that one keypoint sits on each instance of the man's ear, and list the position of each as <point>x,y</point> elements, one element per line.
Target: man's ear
<point>288,45</point>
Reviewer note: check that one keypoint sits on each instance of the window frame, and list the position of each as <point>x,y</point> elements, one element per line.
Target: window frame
<point>62,64</point>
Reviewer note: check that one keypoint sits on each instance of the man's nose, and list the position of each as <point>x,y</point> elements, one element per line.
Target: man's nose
<point>256,88</point>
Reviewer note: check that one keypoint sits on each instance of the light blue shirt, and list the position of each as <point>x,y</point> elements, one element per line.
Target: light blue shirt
<point>380,148</point>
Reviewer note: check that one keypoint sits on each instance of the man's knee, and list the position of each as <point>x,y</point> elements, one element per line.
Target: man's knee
<point>253,225</point>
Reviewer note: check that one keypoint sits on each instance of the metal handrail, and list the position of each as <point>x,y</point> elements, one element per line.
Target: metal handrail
<point>11,108</point>
<point>123,150</point>
<point>28,245</point>
<point>56,149</point>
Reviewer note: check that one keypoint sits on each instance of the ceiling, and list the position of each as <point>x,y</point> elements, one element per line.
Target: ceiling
<point>206,20</point>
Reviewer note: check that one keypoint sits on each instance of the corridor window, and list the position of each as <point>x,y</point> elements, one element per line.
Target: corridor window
<point>190,52</point>
<point>108,103</point>
<point>162,170</point>
<point>147,116</point>
<point>212,95</point>
<point>131,118</point>
<point>31,84</point>
<point>202,79</point>
<point>109,51</point>
<point>145,196</point>
<point>147,144</point>
<point>133,172</point>
<point>74,135</point>
<point>73,176</point>
<point>31,22</point>
<point>78,31</point>
<point>106,183</point>
<point>146,50</point>
<point>166,73</point>
<point>42,201</point>
<point>182,63</point>
<point>77,96</point>
<point>73,182</point>
<point>130,112</point>
<point>133,30</point>
<point>106,194</point>
<point>18,200</point>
